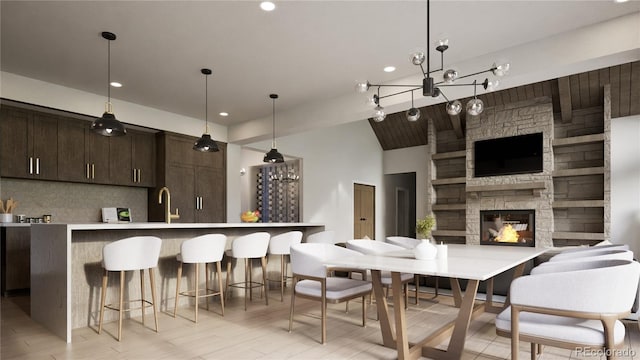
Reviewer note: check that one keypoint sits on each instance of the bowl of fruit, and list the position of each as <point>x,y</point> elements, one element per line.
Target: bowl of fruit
<point>250,216</point>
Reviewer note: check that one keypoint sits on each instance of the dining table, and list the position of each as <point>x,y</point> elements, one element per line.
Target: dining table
<point>473,263</point>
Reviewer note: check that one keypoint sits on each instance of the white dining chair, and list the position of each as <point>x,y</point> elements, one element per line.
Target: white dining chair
<point>130,254</point>
<point>249,247</point>
<point>410,243</point>
<point>577,307</point>
<point>312,280</point>
<point>204,249</point>
<point>373,247</point>
<point>281,245</point>
<point>601,254</point>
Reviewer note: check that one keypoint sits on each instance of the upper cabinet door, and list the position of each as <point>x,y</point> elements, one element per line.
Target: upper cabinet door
<point>44,137</point>
<point>72,165</point>
<point>97,157</point>
<point>144,158</point>
<point>121,171</point>
<point>15,155</point>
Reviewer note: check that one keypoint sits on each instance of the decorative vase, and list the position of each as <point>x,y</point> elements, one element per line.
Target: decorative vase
<point>6,218</point>
<point>425,250</point>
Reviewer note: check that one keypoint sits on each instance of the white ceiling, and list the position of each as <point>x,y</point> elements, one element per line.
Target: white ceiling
<point>306,51</point>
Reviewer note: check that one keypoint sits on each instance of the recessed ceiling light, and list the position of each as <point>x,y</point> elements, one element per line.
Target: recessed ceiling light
<point>115,84</point>
<point>389,69</point>
<point>267,6</point>
<point>620,1</point>
<point>224,114</point>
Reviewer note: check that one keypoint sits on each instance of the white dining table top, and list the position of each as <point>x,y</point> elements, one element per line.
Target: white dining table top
<point>473,262</point>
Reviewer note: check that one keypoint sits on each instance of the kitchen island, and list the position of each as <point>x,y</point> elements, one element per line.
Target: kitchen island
<point>66,269</point>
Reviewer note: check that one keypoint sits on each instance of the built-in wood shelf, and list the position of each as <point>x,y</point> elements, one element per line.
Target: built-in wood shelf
<point>578,236</point>
<point>536,188</point>
<point>579,172</point>
<point>578,140</point>
<point>449,155</point>
<point>448,207</point>
<point>449,181</point>
<point>449,233</point>
<point>562,204</point>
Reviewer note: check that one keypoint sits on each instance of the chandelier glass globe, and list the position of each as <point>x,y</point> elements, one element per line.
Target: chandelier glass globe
<point>379,114</point>
<point>454,108</point>
<point>475,107</point>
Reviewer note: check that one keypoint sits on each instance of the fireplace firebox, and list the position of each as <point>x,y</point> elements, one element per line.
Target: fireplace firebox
<point>507,227</point>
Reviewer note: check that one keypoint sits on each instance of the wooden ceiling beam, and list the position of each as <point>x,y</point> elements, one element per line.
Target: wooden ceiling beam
<point>564,88</point>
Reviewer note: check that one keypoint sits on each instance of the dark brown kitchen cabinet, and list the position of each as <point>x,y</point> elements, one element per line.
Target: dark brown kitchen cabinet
<point>132,159</point>
<point>29,144</point>
<point>83,155</point>
<point>197,181</point>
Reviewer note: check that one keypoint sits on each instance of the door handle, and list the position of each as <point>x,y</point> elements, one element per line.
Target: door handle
<point>87,171</point>
<point>93,171</point>
<point>201,203</point>
<point>197,203</point>
<point>37,166</point>
<point>30,166</point>
<point>139,176</point>
<point>135,180</point>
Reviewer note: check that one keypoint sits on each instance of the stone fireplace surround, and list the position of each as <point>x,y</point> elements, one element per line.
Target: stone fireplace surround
<point>515,192</point>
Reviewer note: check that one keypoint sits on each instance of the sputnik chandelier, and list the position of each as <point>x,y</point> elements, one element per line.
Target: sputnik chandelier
<point>431,88</point>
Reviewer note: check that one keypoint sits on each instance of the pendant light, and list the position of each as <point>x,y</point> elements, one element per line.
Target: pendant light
<point>273,156</point>
<point>108,125</point>
<point>205,143</point>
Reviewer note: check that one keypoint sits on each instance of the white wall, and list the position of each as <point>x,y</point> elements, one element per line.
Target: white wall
<point>413,159</point>
<point>333,160</point>
<point>625,182</point>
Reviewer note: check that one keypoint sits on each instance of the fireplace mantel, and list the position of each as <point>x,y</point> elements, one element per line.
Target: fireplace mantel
<point>536,188</point>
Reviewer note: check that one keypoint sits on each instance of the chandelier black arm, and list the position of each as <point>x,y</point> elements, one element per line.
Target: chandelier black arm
<point>401,92</point>
<point>477,73</point>
<point>392,85</point>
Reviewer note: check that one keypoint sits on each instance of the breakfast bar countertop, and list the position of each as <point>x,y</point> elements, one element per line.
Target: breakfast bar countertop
<point>163,225</point>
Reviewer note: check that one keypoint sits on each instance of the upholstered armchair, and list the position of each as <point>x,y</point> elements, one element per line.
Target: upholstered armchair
<point>573,305</point>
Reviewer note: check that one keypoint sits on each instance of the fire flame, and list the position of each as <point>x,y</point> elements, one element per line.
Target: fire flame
<point>508,234</point>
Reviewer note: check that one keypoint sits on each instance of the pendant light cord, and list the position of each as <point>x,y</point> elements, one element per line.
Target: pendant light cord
<point>273,142</point>
<point>109,71</point>
<point>428,41</point>
<point>206,104</point>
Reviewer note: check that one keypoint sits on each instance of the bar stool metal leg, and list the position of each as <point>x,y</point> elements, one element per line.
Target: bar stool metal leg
<point>178,279</point>
<point>219,270</point>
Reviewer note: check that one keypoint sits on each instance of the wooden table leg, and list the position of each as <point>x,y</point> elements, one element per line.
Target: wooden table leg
<point>388,335</point>
<point>459,335</point>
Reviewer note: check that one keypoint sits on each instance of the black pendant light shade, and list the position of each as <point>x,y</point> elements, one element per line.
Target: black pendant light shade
<point>273,156</point>
<point>108,125</point>
<point>205,143</point>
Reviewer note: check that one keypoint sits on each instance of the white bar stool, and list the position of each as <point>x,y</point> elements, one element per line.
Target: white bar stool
<point>281,245</point>
<point>247,247</point>
<point>130,254</point>
<point>203,249</point>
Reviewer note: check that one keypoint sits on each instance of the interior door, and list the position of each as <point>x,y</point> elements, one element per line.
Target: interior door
<point>364,200</point>
<point>402,212</point>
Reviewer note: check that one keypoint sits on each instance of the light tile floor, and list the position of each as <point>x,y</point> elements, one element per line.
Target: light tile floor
<point>259,333</point>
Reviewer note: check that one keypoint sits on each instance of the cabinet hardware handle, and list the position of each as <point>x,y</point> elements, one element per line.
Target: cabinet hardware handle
<point>197,203</point>
<point>37,166</point>
<point>134,175</point>
<point>201,203</point>
<point>87,171</point>
<point>93,171</point>
<point>139,176</point>
<point>30,166</point>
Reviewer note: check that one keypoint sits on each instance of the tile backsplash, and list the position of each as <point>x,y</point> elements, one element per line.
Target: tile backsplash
<point>72,202</point>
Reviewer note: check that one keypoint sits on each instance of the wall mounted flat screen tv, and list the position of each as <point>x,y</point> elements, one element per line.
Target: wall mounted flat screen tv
<point>520,154</point>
